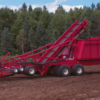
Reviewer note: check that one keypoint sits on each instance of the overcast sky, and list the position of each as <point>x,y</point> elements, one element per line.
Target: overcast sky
<point>50,4</point>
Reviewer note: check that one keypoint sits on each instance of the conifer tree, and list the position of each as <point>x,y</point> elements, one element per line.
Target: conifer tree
<point>32,39</point>
<point>49,29</point>
<point>47,37</point>
<point>39,35</point>
<point>44,8</point>
<point>36,13</point>
<point>58,22</point>
<point>6,45</point>
<point>54,36</point>
<point>82,17</point>
<point>24,7</point>
<point>98,6</point>
<point>93,6</point>
<point>30,8</point>
<point>26,25</point>
<point>97,25</point>
<point>67,24</point>
<point>45,17</point>
<point>92,30</point>
<point>60,9</point>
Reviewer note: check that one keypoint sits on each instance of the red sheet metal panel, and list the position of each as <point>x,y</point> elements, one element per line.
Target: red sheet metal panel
<point>94,49</point>
<point>88,49</point>
<point>79,48</point>
<point>86,53</point>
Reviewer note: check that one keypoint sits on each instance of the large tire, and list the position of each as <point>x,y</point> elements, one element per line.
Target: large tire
<point>51,71</point>
<point>64,71</point>
<point>56,70</point>
<point>78,70</point>
<point>30,70</point>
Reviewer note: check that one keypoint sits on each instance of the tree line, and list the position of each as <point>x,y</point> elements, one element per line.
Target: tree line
<point>26,29</point>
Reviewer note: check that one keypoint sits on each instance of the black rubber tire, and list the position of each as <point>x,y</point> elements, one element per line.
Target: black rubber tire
<point>56,70</point>
<point>51,71</point>
<point>27,70</point>
<point>76,68</point>
<point>61,71</point>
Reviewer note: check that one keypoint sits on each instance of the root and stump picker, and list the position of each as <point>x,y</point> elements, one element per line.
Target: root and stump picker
<point>63,57</point>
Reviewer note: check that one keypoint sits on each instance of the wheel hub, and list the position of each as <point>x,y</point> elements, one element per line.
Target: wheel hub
<point>31,71</point>
<point>65,71</point>
<point>79,70</point>
<point>21,69</point>
<point>15,70</point>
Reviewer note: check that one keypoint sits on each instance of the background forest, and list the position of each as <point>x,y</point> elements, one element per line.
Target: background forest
<point>26,29</point>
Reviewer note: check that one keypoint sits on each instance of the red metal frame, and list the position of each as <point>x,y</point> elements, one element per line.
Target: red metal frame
<point>54,53</point>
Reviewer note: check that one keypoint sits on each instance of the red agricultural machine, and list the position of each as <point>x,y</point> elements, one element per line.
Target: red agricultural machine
<point>63,57</point>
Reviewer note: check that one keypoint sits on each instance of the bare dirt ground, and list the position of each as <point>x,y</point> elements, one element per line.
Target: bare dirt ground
<point>21,87</point>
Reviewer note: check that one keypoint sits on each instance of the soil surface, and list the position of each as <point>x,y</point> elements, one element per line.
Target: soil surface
<point>21,87</point>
